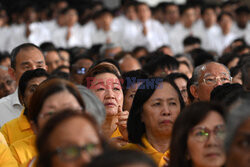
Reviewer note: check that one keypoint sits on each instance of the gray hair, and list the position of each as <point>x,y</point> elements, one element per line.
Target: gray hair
<point>236,118</point>
<point>197,71</point>
<point>93,105</point>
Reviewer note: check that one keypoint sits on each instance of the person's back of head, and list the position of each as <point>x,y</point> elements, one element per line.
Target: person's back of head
<point>200,56</point>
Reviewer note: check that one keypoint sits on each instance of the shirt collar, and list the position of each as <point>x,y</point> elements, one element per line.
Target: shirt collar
<point>15,99</point>
<point>23,122</point>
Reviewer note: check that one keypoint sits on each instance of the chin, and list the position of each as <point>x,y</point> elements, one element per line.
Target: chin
<point>111,112</point>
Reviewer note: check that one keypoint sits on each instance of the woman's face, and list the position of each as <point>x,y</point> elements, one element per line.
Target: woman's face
<point>161,110</point>
<point>77,141</point>
<point>239,152</point>
<point>108,89</point>
<point>205,142</point>
<point>182,85</point>
<point>57,102</point>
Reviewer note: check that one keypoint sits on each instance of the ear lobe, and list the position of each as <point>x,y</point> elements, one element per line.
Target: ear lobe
<point>12,73</point>
<point>193,91</point>
<point>34,127</point>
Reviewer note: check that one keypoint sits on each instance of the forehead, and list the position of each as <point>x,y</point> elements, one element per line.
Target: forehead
<point>106,77</point>
<point>211,120</point>
<point>36,80</point>
<point>164,91</point>
<point>29,54</point>
<point>214,69</point>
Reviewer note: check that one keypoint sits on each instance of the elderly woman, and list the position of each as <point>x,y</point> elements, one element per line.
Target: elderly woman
<point>237,142</point>
<point>105,82</point>
<point>197,137</point>
<point>156,105</point>
<point>78,143</point>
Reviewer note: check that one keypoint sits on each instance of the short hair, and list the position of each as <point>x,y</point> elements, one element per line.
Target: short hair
<point>111,61</point>
<point>201,56</point>
<point>235,119</point>
<point>235,70</point>
<point>226,93</point>
<point>159,60</point>
<point>135,126</point>
<point>186,7</point>
<point>47,46</point>
<point>16,50</point>
<point>224,13</point>
<point>242,10</point>
<point>176,75</point>
<point>119,158</point>
<point>99,69</point>
<point>227,58</point>
<point>42,143</point>
<point>132,77</point>
<point>188,118</point>
<point>191,40</point>
<point>46,89</point>
<point>4,55</point>
<point>245,71</point>
<point>207,7</point>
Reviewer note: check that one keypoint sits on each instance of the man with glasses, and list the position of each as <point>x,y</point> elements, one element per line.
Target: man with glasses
<point>206,77</point>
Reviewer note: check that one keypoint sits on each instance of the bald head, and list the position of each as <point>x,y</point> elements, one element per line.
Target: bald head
<point>129,63</point>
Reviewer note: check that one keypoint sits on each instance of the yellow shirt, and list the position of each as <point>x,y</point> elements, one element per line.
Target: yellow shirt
<point>24,150</point>
<point>6,158</point>
<point>150,150</point>
<point>17,129</point>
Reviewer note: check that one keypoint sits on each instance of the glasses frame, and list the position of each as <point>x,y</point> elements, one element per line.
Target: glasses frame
<point>216,80</point>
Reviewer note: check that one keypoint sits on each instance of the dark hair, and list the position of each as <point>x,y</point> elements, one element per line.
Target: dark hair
<point>200,56</point>
<point>189,84</point>
<point>132,77</point>
<point>135,126</point>
<point>48,88</point>
<point>191,40</point>
<point>118,158</point>
<point>188,118</point>
<point>227,58</point>
<point>226,94</point>
<point>235,70</point>
<point>47,46</point>
<point>159,60</point>
<point>207,7</point>
<point>242,9</point>
<point>111,61</point>
<point>173,76</point>
<point>4,55</point>
<point>16,50</point>
<point>42,143</point>
<point>99,69</point>
<point>224,13</point>
<point>186,7</point>
<point>245,71</point>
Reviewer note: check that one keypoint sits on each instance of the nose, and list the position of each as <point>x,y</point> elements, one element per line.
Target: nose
<point>211,141</point>
<point>33,67</point>
<point>165,111</point>
<point>109,93</point>
<point>84,158</point>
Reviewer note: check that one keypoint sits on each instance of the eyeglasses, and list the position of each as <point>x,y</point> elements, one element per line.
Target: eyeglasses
<point>210,81</point>
<point>202,134</point>
<point>47,114</point>
<point>71,153</point>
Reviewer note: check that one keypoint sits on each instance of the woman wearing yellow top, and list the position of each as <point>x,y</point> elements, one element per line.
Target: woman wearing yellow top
<point>20,128</point>
<point>50,97</point>
<point>104,81</point>
<point>6,158</point>
<point>156,105</point>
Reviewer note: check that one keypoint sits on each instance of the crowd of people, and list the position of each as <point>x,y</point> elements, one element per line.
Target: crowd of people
<point>135,86</point>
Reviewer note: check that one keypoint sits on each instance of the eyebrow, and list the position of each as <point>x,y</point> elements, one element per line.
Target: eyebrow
<point>98,83</point>
<point>209,74</point>
<point>25,63</point>
<point>159,99</point>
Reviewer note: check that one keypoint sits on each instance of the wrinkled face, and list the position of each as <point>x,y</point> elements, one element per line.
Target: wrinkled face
<point>212,71</point>
<point>182,85</point>
<point>52,60</point>
<point>131,13</point>
<point>209,17</point>
<point>225,23</point>
<point>239,154</point>
<point>143,13</point>
<point>79,69</point>
<point>161,110</point>
<point>209,152</point>
<point>129,96</point>
<point>74,132</point>
<point>57,102</point>
<point>30,89</point>
<point>29,59</point>
<point>172,14</point>
<point>108,89</point>
<point>7,84</point>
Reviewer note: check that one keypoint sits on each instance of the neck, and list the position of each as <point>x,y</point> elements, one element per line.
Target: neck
<point>207,25</point>
<point>225,32</point>
<point>109,126</point>
<point>160,142</point>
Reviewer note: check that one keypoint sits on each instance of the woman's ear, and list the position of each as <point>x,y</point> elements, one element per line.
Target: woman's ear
<point>34,127</point>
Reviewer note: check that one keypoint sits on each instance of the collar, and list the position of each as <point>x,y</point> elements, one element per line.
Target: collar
<point>14,100</point>
<point>23,122</point>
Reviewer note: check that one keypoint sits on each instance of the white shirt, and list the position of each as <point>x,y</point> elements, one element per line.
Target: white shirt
<point>169,27</point>
<point>120,22</point>
<point>87,31</point>
<point>177,36</point>
<point>38,35</point>
<point>221,41</point>
<point>10,108</point>
<point>4,34</point>
<point>132,35</point>
<point>101,37</point>
<point>200,31</point>
<point>59,36</point>
<point>240,32</point>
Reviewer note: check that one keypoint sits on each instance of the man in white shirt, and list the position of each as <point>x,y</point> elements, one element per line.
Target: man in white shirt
<point>182,30</point>
<point>23,58</point>
<point>172,16</point>
<point>145,32</point>
<point>207,27</point>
